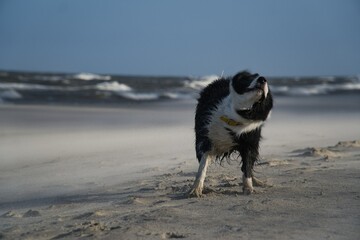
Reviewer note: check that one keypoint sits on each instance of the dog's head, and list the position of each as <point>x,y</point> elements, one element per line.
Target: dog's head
<point>251,96</point>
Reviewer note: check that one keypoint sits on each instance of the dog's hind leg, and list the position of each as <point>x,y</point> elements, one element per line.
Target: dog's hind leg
<point>247,184</point>
<point>249,156</point>
<point>196,190</point>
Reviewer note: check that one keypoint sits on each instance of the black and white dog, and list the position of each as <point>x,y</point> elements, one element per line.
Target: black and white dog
<point>229,117</point>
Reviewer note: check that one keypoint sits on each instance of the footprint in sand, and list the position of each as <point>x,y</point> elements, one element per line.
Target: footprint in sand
<point>11,214</point>
<point>275,163</point>
<point>324,153</point>
<point>349,144</point>
<point>32,213</point>
<point>328,152</point>
<point>99,213</point>
<point>170,235</point>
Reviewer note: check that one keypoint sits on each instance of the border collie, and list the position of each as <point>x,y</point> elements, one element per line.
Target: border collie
<point>228,119</point>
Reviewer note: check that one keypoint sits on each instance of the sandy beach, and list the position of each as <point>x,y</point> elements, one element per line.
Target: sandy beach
<point>122,172</point>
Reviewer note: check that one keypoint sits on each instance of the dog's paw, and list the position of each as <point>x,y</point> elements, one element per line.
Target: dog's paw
<point>248,185</point>
<point>194,192</point>
<point>248,190</point>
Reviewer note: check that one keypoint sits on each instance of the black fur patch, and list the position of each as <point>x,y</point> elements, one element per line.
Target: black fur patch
<point>242,80</point>
<point>209,99</point>
<point>259,111</point>
<point>247,144</point>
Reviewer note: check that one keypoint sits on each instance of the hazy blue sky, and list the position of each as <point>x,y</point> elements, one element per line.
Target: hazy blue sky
<point>184,37</point>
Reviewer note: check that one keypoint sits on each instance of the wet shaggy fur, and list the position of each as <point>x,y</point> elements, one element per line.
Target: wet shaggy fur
<point>216,99</point>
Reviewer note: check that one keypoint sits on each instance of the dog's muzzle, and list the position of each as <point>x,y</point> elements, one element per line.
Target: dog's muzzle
<point>261,83</point>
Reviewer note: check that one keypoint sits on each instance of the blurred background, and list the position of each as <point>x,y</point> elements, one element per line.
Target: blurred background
<point>89,51</point>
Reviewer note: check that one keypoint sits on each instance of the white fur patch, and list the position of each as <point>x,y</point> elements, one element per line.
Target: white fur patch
<point>248,185</point>
<point>247,182</point>
<point>198,186</point>
<point>218,133</point>
<point>266,90</point>
<point>266,87</point>
<point>244,101</point>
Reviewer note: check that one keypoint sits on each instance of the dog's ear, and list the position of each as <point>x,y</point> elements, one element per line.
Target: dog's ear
<point>241,81</point>
<point>242,74</point>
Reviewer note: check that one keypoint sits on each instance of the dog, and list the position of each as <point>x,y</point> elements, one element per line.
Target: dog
<point>229,116</point>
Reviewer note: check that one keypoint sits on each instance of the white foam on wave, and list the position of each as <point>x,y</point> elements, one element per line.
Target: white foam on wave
<point>279,89</point>
<point>174,95</point>
<point>91,76</point>
<point>53,78</point>
<point>113,86</point>
<point>125,91</point>
<point>26,86</point>
<point>202,82</point>
<point>319,89</point>
<point>351,86</point>
<point>105,86</point>
<point>136,96</point>
<point>139,96</point>
<point>9,94</point>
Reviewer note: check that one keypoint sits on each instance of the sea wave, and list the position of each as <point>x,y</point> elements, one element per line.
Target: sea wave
<point>9,95</point>
<point>139,96</point>
<point>38,87</point>
<point>320,89</point>
<point>26,86</point>
<point>113,86</point>
<point>91,76</point>
<point>136,96</point>
<point>200,83</point>
<point>178,96</point>
<point>105,86</point>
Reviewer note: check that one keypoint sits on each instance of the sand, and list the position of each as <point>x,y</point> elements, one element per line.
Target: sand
<point>122,172</point>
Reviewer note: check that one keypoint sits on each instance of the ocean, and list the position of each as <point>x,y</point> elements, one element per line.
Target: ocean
<point>89,88</point>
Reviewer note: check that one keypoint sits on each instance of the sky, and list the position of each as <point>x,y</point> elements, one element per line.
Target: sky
<point>181,38</point>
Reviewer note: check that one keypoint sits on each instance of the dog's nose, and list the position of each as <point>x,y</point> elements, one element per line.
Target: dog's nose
<point>261,80</point>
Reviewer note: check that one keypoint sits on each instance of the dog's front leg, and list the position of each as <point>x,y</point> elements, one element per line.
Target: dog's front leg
<point>247,167</point>
<point>247,185</point>
<point>196,190</point>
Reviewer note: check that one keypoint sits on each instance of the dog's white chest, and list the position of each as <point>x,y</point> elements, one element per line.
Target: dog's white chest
<point>221,134</point>
<point>221,139</point>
